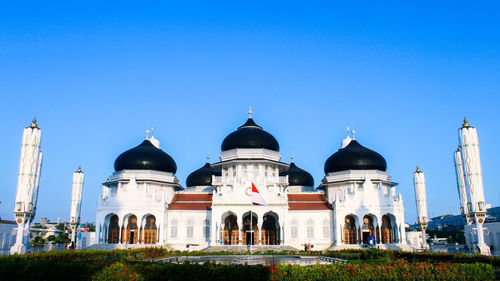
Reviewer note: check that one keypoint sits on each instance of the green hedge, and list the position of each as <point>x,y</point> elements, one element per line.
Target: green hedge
<point>394,271</point>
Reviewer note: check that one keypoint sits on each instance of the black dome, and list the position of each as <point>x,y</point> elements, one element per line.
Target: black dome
<point>250,135</point>
<point>202,176</point>
<point>145,156</point>
<point>297,176</point>
<point>355,157</point>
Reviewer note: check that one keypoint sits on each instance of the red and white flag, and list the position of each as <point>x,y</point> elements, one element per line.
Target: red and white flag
<point>257,199</point>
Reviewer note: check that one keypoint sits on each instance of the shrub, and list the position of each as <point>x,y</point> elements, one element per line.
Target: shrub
<point>117,272</point>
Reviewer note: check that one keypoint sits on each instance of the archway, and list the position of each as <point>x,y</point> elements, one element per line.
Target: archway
<point>150,230</point>
<point>368,230</point>
<point>113,230</point>
<point>131,233</point>
<point>386,230</point>
<point>231,230</point>
<point>350,230</point>
<point>249,228</point>
<point>270,229</point>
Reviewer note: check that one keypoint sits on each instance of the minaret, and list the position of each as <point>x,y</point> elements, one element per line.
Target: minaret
<point>421,200</point>
<point>469,147</point>
<point>30,164</point>
<point>76,203</point>
<point>462,191</point>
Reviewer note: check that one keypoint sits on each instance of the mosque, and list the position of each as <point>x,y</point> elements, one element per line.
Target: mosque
<point>356,204</point>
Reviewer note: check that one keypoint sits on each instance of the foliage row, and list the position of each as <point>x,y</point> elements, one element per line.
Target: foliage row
<point>136,265</point>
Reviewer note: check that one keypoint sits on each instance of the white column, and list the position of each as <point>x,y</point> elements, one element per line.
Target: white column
<point>462,191</point>
<point>76,203</point>
<point>469,146</point>
<point>28,180</point>
<point>421,201</point>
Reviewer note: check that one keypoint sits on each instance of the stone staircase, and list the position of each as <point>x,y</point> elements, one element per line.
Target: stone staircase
<point>246,248</point>
<point>110,247</point>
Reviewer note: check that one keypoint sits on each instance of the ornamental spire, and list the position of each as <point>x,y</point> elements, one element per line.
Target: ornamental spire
<point>418,170</point>
<point>250,112</point>
<point>466,123</point>
<point>33,123</point>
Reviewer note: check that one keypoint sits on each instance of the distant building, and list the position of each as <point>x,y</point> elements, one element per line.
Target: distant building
<point>7,235</point>
<point>457,222</point>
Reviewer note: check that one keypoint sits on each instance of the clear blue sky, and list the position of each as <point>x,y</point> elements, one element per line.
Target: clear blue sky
<point>98,75</point>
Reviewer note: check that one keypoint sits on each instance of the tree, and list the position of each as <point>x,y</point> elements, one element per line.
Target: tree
<point>89,225</point>
<point>51,238</point>
<point>63,238</point>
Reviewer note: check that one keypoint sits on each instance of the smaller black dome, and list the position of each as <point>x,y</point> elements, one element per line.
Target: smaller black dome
<point>297,176</point>
<point>145,156</point>
<point>250,135</point>
<point>355,157</point>
<point>202,176</point>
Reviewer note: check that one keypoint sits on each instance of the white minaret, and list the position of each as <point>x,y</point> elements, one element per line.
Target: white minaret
<point>421,201</point>
<point>76,203</point>
<point>30,164</point>
<point>469,147</point>
<point>462,191</point>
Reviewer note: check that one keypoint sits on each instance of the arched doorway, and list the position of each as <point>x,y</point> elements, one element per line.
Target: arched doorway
<point>368,229</point>
<point>132,233</point>
<point>386,230</point>
<point>270,229</point>
<point>150,230</point>
<point>231,230</point>
<point>113,230</point>
<point>250,233</point>
<point>350,230</point>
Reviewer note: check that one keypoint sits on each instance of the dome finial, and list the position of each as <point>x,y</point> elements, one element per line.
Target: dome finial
<point>208,158</point>
<point>79,169</point>
<point>292,157</point>
<point>34,124</point>
<point>466,123</point>
<point>250,112</point>
<point>353,134</point>
<point>418,170</point>
<point>147,134</point>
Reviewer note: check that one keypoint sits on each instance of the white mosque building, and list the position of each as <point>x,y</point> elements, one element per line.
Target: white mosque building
<point>356,204</point>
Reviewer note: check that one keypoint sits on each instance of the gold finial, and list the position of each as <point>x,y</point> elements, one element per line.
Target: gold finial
<point>418,170</point>
<point>466,123</point>
<point>250,112</point>
<point>79,169</point>
<point>34,124</point>
<point>292,157</point>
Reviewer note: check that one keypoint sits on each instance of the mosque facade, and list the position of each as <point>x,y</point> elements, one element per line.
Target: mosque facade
<point>356,204</point>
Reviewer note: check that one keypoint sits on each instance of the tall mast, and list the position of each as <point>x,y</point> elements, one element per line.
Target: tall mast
<point>473,175</point>
<point>30,164</point>
<point>76,202</point>
<point>421,201</point>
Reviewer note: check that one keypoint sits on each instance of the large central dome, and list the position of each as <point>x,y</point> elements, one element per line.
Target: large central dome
<point>355,157</point>
<point>250,135</point>
<point>145,156</point>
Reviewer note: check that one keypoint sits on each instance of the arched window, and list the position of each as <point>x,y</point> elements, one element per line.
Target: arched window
<point>114,230</point>
<point>310,229</point>
<point>386,230</point>
<point>350,230</point>
<point>173,229</point>
<point>150,230</point>
<point>132,233</point>
<point>294,229</point>
<point>189,229</point>
<point>326,229</point>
